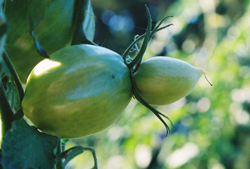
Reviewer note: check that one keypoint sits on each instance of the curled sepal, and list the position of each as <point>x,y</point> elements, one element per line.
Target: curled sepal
<point>41,51</point>
<point>64,157</point>
<point>139,38</point>
<point>143,102</point>
<point>139,56</point>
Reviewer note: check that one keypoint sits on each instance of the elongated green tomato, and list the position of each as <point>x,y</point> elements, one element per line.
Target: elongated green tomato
<point>81,90</point>
<point>53,24</point>
<point>164,80</point>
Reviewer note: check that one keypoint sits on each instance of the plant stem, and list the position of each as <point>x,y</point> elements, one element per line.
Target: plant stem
<point>59,164</point>
<point>94,156</point>
<point>6,112</point>
<point>14,76</point>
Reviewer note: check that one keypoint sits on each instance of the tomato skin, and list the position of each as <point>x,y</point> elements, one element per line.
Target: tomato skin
<point>84,93</point>
<point>163,80</point>
<point>54,31</point>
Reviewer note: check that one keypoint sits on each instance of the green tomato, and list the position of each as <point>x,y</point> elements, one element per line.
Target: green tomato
<point>164,80</point>
<point>53,22</point>
<point>81,90</point>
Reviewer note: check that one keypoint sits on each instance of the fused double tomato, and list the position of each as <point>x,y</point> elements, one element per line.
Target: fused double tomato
<point>83,89</point>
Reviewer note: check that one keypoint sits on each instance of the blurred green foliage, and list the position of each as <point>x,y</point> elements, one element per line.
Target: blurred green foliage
<point>212,124</point>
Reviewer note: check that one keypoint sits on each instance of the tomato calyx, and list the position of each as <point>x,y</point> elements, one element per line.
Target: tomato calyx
<point>147,36</point>
<point>133,64</point>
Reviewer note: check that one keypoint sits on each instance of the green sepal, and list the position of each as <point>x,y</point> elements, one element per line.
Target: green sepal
<point>140,54</point>
<point>139,38</point>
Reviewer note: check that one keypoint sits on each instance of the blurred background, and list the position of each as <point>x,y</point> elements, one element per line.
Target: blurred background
<point>212,124</point>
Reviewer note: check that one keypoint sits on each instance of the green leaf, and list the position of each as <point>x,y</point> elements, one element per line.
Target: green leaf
<point>26,13</point>
<point>16,12</point>
<point>89,22</point>
<point>84,23</point>
<point>37,10</point>
<point>25,147</point>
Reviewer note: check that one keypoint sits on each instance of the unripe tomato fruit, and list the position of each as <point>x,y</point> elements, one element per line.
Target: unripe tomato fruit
<point>164,80</point>
<point>81,90</point>
<point>54,31</point>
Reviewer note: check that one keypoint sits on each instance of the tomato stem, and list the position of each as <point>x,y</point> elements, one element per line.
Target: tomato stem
<point>59,164</point>
<point>64,157</point>
<point>94,156</point>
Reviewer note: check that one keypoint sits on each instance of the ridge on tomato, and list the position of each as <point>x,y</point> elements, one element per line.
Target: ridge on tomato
<point>53,22</point>
<point>164,80</point>
<point>80,90</point>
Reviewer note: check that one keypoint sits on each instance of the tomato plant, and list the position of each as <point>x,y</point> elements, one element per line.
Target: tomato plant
<point>80,89</point>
